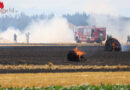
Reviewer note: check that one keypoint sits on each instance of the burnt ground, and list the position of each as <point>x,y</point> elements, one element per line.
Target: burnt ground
<point>40,55</point>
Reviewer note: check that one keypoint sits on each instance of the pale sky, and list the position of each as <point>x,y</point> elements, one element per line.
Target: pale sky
<point>59,7</point>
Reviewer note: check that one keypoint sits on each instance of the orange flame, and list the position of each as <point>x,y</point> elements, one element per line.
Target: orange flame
<point>78,52</point>
<point>113,45</point>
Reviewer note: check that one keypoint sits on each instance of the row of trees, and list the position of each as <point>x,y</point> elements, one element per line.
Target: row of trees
<point>22,21</point>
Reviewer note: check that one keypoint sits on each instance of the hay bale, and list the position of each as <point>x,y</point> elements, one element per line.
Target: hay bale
<point>112,44</point>
<point>72,56</point>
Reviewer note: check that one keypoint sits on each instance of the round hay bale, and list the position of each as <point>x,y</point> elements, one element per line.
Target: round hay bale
<point>112,44</point>
<point>72,56</point>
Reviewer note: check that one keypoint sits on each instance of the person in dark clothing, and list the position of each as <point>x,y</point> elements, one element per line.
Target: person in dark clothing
<point>15,38</point>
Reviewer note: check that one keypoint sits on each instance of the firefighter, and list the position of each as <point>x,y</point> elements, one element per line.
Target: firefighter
<point>128,38</point>
<point>15,38</point>
<point>27,37</point>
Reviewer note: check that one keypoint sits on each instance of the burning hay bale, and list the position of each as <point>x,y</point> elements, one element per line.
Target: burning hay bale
<point>112,44</point>
<point>76,55</point>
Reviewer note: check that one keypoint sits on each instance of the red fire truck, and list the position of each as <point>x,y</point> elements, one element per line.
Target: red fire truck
<point>90,34</point>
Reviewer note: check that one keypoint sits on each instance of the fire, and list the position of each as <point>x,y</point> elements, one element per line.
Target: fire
<point>113,45</point>
<point>78,52</point>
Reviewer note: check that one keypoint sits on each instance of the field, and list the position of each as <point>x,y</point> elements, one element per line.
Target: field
<point>45,65</point>
<point>64,79</point>
<point>57,54</point>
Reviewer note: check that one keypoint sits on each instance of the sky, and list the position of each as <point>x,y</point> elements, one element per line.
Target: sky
<point>59,7</point>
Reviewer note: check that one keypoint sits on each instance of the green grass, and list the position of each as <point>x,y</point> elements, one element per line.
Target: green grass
<point>78,87</point>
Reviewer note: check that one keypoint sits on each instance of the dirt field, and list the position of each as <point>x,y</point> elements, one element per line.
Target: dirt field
<point>35,58</point>
<point>64,79</point>
<point>41,55</point>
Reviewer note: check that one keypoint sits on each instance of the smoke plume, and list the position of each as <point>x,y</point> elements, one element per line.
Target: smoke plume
<point>56,30</point>
<point>118,27</point>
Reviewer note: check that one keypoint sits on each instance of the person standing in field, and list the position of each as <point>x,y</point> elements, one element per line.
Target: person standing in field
<point>15,38</point>
<point>27,37</point>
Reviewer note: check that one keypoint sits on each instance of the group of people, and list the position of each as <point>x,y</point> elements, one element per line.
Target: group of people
<point>27,37</point>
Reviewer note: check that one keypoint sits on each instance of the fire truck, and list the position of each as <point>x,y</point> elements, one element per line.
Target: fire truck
<point>90,34</point>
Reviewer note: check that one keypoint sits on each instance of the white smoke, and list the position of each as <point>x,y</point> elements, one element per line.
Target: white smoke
<point>104,13</point>
<point>100,7</point>
<point>56,30</point>
<point>115,26</point>
<point>9,34</point>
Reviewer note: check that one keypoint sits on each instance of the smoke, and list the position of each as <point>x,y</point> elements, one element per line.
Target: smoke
<point>118,27</point>
<point>100,7</point>
<point>106,14</point>
<point>8,35</point>
<point>56,30</point>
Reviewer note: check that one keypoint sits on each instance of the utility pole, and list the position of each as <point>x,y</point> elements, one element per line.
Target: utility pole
<point>27,37</point>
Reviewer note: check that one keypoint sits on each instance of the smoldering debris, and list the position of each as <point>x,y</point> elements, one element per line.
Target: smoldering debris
<point>112,44</point>
<point>54,30</point>
<point>76,55</point>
